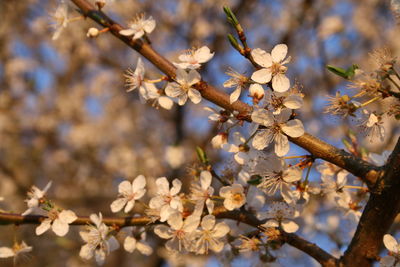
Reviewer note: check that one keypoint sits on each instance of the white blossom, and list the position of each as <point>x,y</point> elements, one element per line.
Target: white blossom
<point>237,80</point>
<point>17,250</point>
<point>290,99</point>
<point>380,160</point>
<point>393,259</point>
<point>272,67</point>
<point>203,191</point>
<point>372,125</point>
<point>234,196</point>
<point>277,129</point>
<point>129,192</point>
<point>99,242</point>
<point>35,196</point>
<point>139,26</point>
<point>167,200</point>
<point>135,79</point>
<point>60,18</point>
<point>276,175</point>
<point>131,243</point>
<point>150,92</point>
<point>182,88</point>
<point>57,221</point>
<point>209,236</point>
<point>238,147</point>
<point>179,232</point>
<point>193,58</point>
<point>279,214</point>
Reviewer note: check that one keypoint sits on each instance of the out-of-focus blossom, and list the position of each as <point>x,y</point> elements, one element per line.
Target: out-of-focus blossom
<point>175,156</point>
<point>139,26</point>
<point>131,243</point>
<point>35,196</point>
<point>16,251</point>
<point>99,242</point>
<point>193,58</point>
<point>381,159</point>
<point>280,214</point>
<point>60,19</point>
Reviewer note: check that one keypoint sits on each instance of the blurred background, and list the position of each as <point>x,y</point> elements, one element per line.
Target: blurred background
<point>65,115</point>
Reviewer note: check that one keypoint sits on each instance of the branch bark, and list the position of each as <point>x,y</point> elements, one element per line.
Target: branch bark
<point>379,214</point>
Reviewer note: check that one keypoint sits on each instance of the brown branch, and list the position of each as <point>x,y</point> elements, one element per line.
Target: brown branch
<point>324,258</point>
<point>220,212</point>
<point>379,214</point>
<point>10,218</point>
<point>318,148</point>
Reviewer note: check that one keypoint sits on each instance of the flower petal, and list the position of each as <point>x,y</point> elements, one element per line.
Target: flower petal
<point>293,128</point>
<point>280,83</point>
<point>281,145</point>
<point>261,57</point>
<point>194,95</point>
<point>262,76</point>
<point>279,52</point>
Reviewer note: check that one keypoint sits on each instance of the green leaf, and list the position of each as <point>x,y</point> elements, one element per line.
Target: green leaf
<point>344,73</point>
<point>202,155</point>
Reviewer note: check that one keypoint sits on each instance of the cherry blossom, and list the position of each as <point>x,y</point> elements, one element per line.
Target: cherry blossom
<point>99,242</point>
<point>237,80</point>
<point>57,221</point>
<point>17,250</point>
<point>203,191</point>
<point>371,123</point>
<point>150,92</point>
<point>179,232</point>
<point>182,88</point>
<point>238,147</point>
<point>276,175</point>
<point>393,259</point>
<point>209,236</point>
<point>277,129</point>
<point>272,67</point>
<point>139,27</point>
<point>35,196</point>
<point>193,58</point>
<point>129,192</point>
<point>135,79</point>
<point>279,214</point>
<point>131,243</point>
<point>234,196</point>
<point>167,200</point>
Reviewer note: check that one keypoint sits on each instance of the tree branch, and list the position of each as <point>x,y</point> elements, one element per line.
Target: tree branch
<point>220,212</point>
<point>315,146</point>
<point>379,214</point>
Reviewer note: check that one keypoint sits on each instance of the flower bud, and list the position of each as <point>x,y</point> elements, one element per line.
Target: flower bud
<point>92,33</point>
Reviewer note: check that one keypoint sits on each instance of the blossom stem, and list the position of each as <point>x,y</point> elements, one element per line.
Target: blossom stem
<point>153,81</point>
<point>369,101</point>
<point>356,187</point>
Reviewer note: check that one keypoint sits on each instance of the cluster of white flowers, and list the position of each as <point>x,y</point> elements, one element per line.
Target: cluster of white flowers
<point>183,86</point>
